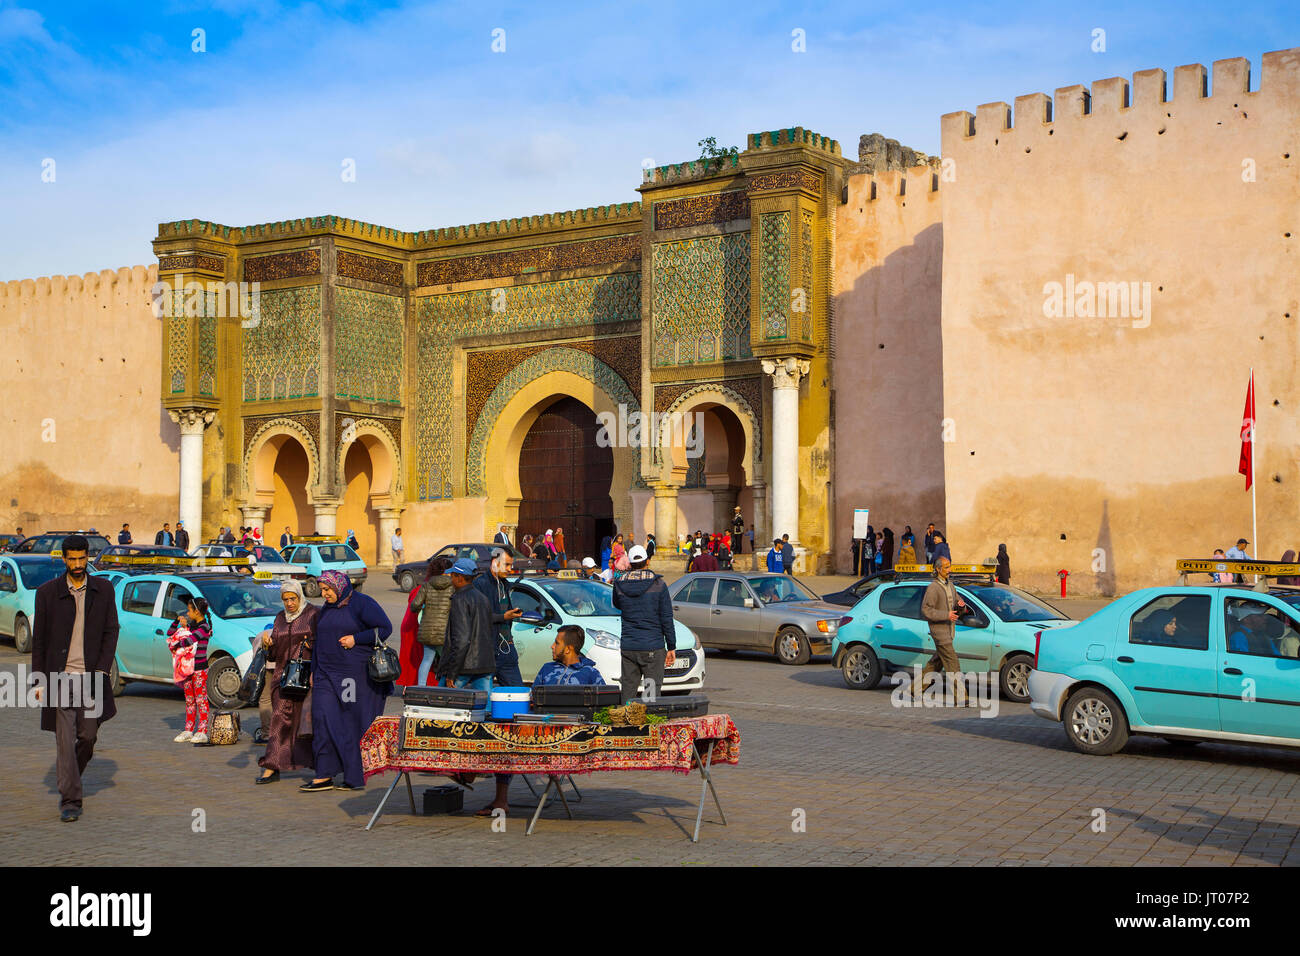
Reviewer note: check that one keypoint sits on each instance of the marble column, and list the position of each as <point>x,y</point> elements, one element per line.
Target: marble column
<point>786,374</point>
<point>327,511</point>
<point>255,517</point>
<point>762,533</point>
<point>724,506</point>
<point>388,518</point>
<point>192,422</point>
<point>666,517</point>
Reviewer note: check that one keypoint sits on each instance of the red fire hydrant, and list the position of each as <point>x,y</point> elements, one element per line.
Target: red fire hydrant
<point>1062,574</point>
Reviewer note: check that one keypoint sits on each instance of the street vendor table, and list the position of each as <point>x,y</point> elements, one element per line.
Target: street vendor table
<point>414,745</point>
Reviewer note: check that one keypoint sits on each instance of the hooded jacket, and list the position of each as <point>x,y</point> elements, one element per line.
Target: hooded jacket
<point>647,609</point>
<point>583,672</point>
<point>434,599</point>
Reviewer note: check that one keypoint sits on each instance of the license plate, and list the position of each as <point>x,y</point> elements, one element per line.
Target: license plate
<point>680,664</point>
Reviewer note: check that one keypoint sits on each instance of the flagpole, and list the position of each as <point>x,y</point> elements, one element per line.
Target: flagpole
<point>1254,448</point>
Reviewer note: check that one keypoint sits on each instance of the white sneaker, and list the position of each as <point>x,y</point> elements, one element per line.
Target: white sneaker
<point>199,739</point>
<point>184,737</point>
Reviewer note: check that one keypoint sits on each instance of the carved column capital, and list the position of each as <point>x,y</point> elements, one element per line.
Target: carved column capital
<point>786,372</point>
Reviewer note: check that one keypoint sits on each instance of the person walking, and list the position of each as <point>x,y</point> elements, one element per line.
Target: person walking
<point>495,586</point>
<point>502,536</point>
<point>286,539</point>
<point>941,607</point>
<point>648,640</point>
<point>775,557</point>
<point>561,554</point>
<point>432,602</point>
<point>787,554</point>
<point>1003,575</point>
<point>123,536</point>
<point>164,536</point>
<point>941,548</point>
<point>649,545</point>
<point>395,542</point>
<point>352,541</point>
<point>74,642</point>
<point>929,543</point>
<point>290,637</point>
<point>182,537</point>
<point>345,700</point>
<point>468,656</point>
<point>192,629</point>
<point>737,531</point>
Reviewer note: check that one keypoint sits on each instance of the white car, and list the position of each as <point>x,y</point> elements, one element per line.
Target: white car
<point>264,558</point>
<point>590,605</point>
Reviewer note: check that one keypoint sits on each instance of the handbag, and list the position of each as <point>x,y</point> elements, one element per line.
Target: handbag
<point>224,728</point>
<point>384,665</point>
<point>295,680</point>
<point>250,688</point>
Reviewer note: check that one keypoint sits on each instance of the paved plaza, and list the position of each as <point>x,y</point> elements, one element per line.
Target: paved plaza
<point>827,775</point>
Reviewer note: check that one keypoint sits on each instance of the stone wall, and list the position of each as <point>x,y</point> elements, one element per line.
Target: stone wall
<point>85,440</point>
<point>1083,437</point>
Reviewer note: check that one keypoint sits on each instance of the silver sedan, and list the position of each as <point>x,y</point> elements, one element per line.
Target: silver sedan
<point>774,613</point>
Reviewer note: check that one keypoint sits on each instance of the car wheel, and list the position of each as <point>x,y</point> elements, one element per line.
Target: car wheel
<point>22,635</point>
<point>408,582</point>
<point>1014,678</point>
<point>311,587</point>
<point>792,647</point>
<point>861,667</point>
<point>1095,722</point>
<point>115,683</point>
<point>223,684</point>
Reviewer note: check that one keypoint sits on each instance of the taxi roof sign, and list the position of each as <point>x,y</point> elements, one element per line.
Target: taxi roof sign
<point>142,560</point>
<point>1262,569</point>
<point>955,569</point>
<point>317,539</point>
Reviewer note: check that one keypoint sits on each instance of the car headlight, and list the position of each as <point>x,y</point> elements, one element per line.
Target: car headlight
<point>828,627</point>
<point>604,639</point>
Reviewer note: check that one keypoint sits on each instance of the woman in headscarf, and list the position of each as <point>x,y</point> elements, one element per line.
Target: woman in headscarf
<point>548,540</point>
<point>869,552</point>
<point>888,562</point>
<point>352,541</point>
<point>618,555</point>
<point>1004,566</point>
<point>290,636</point>
<point>606,546</point>
<point>345,701</point>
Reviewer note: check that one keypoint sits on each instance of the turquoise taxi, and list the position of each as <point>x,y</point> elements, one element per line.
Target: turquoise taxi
<point>1189,662</point>
<point>317,554</point>
<point>20,576</point>
<point>885,631</point>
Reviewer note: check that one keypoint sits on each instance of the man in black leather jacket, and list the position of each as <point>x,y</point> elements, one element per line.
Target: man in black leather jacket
<point>468,655</point>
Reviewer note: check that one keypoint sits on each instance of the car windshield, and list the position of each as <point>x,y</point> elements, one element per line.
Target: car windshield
<point>338,552</point>
<point>581,598</point>
<point>1288,597</point>
<point>239,598</point>
<point>36,574</point>
<point>268,554</point>
<point>1014,605</point>
<point>779,589</point>
<point>125,551</point>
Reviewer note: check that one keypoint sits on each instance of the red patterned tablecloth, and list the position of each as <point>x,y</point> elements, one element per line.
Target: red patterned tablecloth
<point>545,748</point>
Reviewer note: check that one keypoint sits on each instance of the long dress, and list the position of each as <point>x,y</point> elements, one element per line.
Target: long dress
<point>286,747</point>
<point>345,701</point>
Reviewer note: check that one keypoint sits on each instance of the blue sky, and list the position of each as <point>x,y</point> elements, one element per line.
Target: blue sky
<point>444,131</point>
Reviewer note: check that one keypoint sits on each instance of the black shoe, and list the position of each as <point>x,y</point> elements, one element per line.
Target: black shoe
<point>260,737</point>
<point>275,775</point>
<point>70,815</point>
<point>347,786</point>
<point>312,786</point>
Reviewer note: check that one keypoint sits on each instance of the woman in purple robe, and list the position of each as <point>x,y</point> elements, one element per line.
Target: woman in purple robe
<point>292,634</point>
<point>345,701</point>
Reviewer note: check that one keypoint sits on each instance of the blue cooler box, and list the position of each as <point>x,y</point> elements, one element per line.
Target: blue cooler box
<point>508,701</point>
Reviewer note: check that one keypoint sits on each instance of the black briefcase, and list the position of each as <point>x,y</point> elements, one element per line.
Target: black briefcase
<point>581,699</point>
<point>687,705</point>
<point>447,799</point>
<point>457,698</point>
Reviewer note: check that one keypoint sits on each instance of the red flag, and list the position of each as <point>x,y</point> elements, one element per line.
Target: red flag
<point>1248,434</point>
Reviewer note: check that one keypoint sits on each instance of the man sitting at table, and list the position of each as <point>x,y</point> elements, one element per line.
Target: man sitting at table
<point>568,666</point>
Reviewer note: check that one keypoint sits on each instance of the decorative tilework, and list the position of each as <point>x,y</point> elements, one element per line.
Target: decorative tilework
<point>393,425</point>
<point>282,352</point>
<point>599,300</point>
<point>701,300</point>
<point>582,364</point>
<point>786,179</point>
<point>178,350</point>
<point>806,247</point>
<point>485,370</point>
<point>208,352</point>
<point>369,338</point>
<point>567,255</point>
<point>356,266</point>
<point>283,265</point>
<point>699,210</point>
<point>747,393</point>
<point>774,290</point>
<point>192,261</point>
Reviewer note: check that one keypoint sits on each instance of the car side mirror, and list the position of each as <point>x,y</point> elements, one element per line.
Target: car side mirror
<point>535,618</point>
<point>749,602</point>
<point>972,620</point>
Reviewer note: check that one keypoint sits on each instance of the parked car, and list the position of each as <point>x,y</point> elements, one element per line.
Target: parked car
<point>113,555</point>
<point>7,541</point>
<point>590,605</point>
<point>263,556</point>
<point>855,592</point>
<point>885,632</point>
<point>49,542</point>
<point>20,576</point>
<point>774,613</point>
<point>410,573</point>
<point>317,557</point>
<point>1215,662</point>
<point>239,606</point>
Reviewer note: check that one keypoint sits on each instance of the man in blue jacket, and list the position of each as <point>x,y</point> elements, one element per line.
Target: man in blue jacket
<point>568,665</point>
<point>648,641</point>
<point>494,585</point>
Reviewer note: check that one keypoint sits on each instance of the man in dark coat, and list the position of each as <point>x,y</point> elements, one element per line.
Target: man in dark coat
<point>123,536</point>
<point>286,539</point>
<point>495,586</point>
<point>648,640</point>
<point>228,537</point>
<point>737,531</point>
<point>182,537</point>
<point>164,536</point>
<point>787,554</point>
<point>74,640</point>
